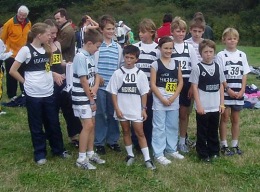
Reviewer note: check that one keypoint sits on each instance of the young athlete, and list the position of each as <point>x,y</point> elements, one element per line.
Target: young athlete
<point>38,86</point>
<point>148,54</point>
<point>235,66</point>
<point>129,87</point>
<point>185,55</point>
<point>85,86</point>
<point>3,56</point>
<point>108,59</point>
<point>166,85</point>
<point>207,83</point>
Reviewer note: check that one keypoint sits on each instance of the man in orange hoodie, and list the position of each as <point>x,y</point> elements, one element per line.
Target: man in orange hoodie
<point>14,36</point>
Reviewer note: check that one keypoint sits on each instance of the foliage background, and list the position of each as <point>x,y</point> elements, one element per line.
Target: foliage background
<point>219,14</point>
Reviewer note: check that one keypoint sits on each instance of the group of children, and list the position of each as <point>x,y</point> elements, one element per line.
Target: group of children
<point>150,87</point>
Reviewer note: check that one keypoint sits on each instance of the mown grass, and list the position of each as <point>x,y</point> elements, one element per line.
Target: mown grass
<point>18,172</point>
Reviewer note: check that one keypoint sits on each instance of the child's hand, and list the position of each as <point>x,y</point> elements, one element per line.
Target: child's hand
<point>144,114</point>
<point>239,94</point>
<point>165,102</point>
<point>190,93</point>
<point>93,92</point>
<point>102,82</point>
<point>200,110</point>
<point>119,114</point>
<point>93,106</point>
<point>222,109</point>
<point>231,93</point>
<point>58,78</point>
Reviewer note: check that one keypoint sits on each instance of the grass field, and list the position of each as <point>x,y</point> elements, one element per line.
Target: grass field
<point>18,172</point>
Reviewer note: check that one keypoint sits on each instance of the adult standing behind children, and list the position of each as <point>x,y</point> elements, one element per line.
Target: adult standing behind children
<point>185,55</point>
<point>165,29</point>
<point>38,86</point>
<point>66,35</point>
<point>108,58</point>
<point>14,36</point>
<point>235,66</point>
<point>148,54</point>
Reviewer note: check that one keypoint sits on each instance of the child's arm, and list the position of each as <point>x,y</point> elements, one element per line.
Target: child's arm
<point>94,89</point>
<point>14,72</point>
<point>119,113</point>
<point>222,106</point>
<point>58,78</point>
<point>144,101</point>
<point>242,91</point>
<point>155,89</point>
<point>200,109</point>
<point>94,24</point>
<point>86,88</point>
<point>179,88</point>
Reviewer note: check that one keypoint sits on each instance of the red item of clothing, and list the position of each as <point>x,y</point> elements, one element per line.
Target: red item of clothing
<point>164,30</point>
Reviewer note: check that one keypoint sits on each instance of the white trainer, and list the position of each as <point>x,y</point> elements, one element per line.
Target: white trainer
<point>163,160</point>
<point>176,155</point>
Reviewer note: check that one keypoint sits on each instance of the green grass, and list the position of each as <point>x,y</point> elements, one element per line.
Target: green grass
<point>18,172</point>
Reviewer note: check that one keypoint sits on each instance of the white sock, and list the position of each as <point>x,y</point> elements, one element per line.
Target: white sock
<point>129,150</point>
<point>90,153</point>
<point>146,154</point>
<point>182,140</point>
<point>234,143</point>
<point>82,156</point>
<point>224,143</point>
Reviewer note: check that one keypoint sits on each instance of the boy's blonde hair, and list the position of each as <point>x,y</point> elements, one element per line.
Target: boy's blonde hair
<point>198,22</point>
<point>147,25</point>
<point>178,23</point>
<point>230,32</point>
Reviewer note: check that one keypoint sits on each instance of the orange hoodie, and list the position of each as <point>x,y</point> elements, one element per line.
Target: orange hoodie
<point>14,36</point>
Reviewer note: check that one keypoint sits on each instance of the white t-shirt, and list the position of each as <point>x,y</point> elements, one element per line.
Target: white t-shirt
<point>129,104</point>
<point>37,83</point>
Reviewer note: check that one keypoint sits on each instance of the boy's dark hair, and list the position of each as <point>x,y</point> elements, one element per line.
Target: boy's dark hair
<point>106,19</point>
<point>167,18</point>
<point>131,49</point>
<point>163,40</point>
<point>198,22</point>
<point>93,36</point>
<point>63,13</point>
<point>207,42</point>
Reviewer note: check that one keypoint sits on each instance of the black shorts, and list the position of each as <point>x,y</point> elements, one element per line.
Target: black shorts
<point>235,107</point>
<point>183,99</point>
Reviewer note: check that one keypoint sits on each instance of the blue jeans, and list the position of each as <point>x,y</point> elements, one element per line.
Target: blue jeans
<point>40,110</point>
<point>165,132</point>
<point>106,128</point>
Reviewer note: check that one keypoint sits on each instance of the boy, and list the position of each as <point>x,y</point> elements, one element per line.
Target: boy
<point>235,66</point>
<point>148,54</point>
<point>185,55</point>
<point>129,87</point>
<point>85,85</point>
<point>108,59</point>
<point>207,78</point>
<point>3,56</point>
<point>197,28</point>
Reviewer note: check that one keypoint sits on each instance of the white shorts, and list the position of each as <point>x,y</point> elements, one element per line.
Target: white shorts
<point>134,120</point>
<point>84,112</point>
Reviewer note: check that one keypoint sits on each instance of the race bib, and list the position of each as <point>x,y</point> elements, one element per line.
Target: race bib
<point>56,59</point>
<point>234,70</point>
<point>171,87</point>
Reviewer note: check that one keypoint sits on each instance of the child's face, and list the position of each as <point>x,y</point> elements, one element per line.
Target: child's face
<point>178,35</point>
<point>108,31</point>
<point>166,50</point>
<point>207,54</point>
<point>231,42</point>
<point>54,32</point>
<point>130,61</point>
<point>93,47</point>
<point>45,37</point>
<point>146,36</point>
<point>196,33</point>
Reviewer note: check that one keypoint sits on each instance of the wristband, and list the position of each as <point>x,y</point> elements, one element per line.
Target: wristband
<point>92,103</point>
<point>222,106</point>
<point>226,88</point>
<point>144,107</point>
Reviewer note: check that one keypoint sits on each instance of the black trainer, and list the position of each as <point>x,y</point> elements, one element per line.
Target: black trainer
<point>226,151</point>
<point>100,150</point>
<point>115,147</point>
<point>236,150</point>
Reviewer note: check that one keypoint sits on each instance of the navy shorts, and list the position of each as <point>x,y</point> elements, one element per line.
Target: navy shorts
<point>235,107</point>
<point>183,99</point>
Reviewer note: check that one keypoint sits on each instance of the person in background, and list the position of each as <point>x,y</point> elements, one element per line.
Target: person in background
<point>38,85</point>
<point>122,31</point>
<point>86,23</point>
<point>129,87</point>
<point>235,66</point>
<point>14,36</point>
<point>66,38</point>
<point>3,56</point>
<point>165,29</point>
